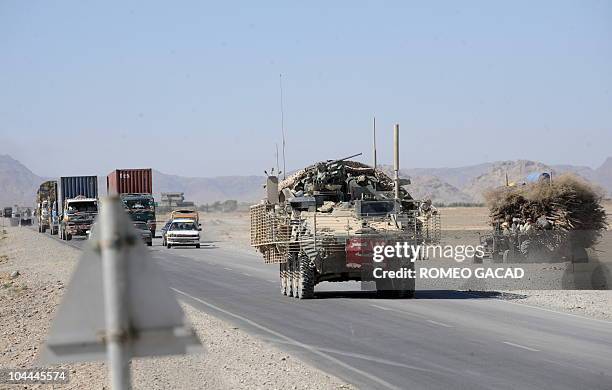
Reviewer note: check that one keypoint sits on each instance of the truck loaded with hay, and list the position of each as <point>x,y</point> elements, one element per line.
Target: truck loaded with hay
<point>544,220</point>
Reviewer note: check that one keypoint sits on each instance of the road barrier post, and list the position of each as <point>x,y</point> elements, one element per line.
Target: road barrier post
<point>113,247</point>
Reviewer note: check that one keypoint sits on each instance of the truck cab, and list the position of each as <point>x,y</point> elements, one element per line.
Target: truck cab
<point>78,217</point>
<point>141,208</point>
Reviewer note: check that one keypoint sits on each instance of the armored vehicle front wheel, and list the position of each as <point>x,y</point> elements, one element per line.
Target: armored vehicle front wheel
<point>290,275</point>
<point>284,281</point>
<point>306,277</point>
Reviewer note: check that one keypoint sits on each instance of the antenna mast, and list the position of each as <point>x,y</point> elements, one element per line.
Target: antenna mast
<point>375,166</point>
<point>277,166</point>
<point>280,78</point>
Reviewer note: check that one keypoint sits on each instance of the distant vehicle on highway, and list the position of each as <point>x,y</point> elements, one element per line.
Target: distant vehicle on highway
<point>183,232</point>
<point>164,230</point>
<point>15,216</point>
<point>46,206</point>
<point>144,231</point>
<point>186,213</point>
<point>77,205</point>
<point>135,188</point>
<point>26,217</point>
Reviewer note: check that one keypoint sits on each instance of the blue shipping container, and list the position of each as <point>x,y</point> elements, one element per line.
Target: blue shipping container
<point>72,186</point>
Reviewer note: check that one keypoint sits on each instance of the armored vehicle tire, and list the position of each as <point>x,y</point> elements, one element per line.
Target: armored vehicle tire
<point>168,246</point>
<point>68,236</point>
<point>284,281</point>
<point>290,276</point>
<point>43,229</point>
<point>295,277</point>
<point>197,246</point>
<point>306,278</point>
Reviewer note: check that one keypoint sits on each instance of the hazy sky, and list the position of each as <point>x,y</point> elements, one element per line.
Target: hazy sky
<point>192,88</point>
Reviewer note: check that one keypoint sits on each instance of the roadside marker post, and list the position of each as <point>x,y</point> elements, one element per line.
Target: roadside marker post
<point>115,283</point>
<point>118,304</point>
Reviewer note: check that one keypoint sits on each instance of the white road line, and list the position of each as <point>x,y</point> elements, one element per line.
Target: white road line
<point>521,346</point>
<point>381,307</point>
<point>399,311</point>
<point>294,342</point>
<point>245,274</point>
<point>440,323</point>
<point>414,315</point>
<point>359,356</point>
<point>272,281</point>
<point>227,269</point>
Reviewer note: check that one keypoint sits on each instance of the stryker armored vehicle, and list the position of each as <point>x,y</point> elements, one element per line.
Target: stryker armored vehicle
<point>322,223</point>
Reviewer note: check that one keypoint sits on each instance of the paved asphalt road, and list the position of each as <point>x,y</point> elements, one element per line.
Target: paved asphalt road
<point>440,340</point>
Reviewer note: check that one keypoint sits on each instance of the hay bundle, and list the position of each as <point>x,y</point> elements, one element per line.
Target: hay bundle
<point>570,204</point>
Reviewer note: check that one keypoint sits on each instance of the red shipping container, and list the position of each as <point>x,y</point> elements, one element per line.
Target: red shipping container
<point>130,181</point>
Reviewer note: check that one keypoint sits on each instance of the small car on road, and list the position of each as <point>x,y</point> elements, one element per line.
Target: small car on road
<point>145,232</point>
<point>183,232</point>
<point>164,230</point>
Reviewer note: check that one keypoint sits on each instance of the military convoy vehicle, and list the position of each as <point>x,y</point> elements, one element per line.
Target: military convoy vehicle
<point>322,223</point>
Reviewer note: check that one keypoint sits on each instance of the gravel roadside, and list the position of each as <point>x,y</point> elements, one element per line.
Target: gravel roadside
<point>233,358</point>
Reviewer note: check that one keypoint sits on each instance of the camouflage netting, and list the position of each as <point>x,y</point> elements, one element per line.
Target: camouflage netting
<point>569,203</point>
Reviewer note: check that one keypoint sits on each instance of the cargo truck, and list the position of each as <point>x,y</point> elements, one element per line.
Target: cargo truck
<point>77,203</point>
<point>135,188</point>
<point>46,207</point>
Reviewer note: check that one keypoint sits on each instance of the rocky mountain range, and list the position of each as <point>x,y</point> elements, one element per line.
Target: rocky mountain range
<point>443,185</point>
